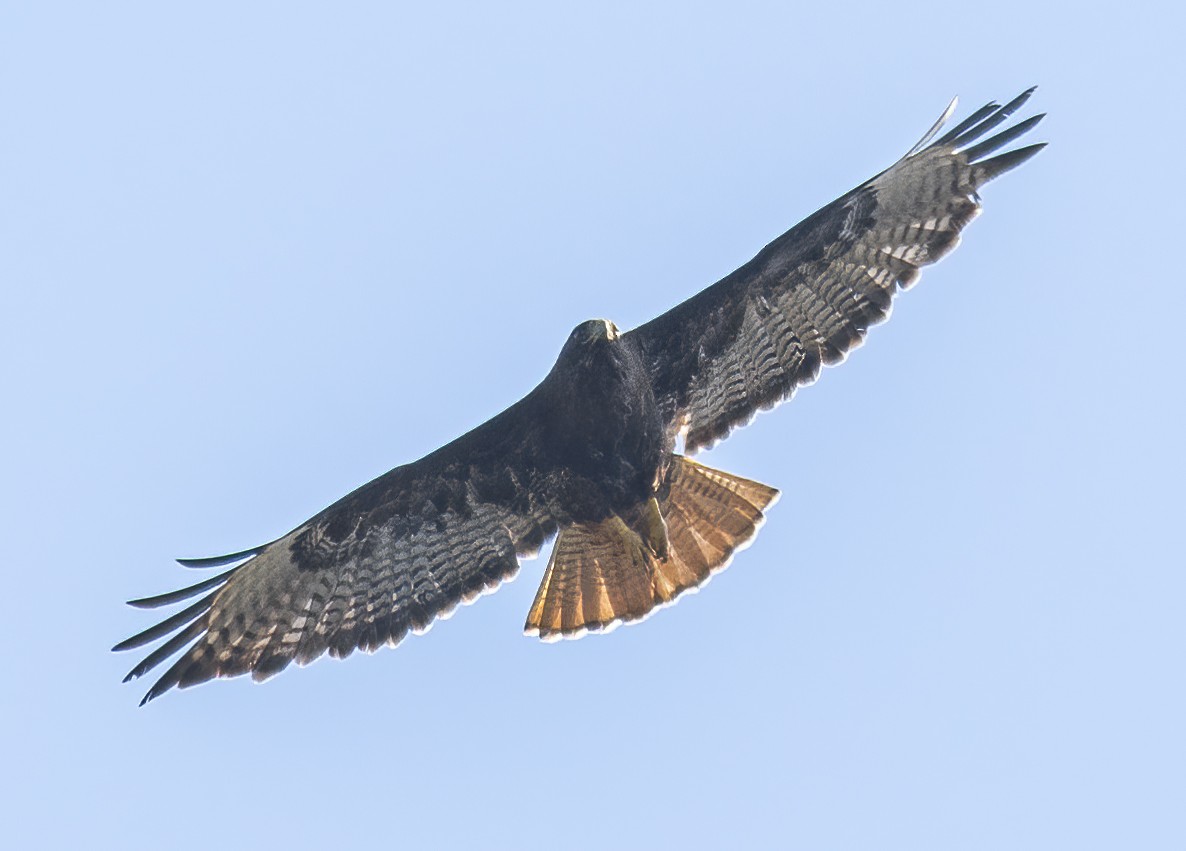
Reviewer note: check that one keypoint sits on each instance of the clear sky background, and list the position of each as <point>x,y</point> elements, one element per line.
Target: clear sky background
<point>253,255</point>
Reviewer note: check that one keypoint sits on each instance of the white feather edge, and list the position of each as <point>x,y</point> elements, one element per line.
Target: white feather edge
<point>444,615</point>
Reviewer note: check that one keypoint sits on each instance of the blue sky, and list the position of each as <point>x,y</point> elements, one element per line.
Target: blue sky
<point>255,256</point>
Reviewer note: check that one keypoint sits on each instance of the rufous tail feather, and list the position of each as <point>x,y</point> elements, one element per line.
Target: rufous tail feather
<point>604,574</point>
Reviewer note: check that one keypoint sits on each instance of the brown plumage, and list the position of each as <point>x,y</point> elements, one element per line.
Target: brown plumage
<point>591,452</point>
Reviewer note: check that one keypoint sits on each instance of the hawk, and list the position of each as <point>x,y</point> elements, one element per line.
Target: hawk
<point>598,453</point>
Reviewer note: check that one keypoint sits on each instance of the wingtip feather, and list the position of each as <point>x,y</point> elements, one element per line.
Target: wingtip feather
<point>935,128</point>
<point>158,600</point>
<point>993,143</point>
<point>971,121</point>
<point>998,165</point>
<point>180,619</point>
<point>219,561</point>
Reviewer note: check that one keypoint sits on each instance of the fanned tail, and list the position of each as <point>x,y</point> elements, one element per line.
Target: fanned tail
<point>604,574</point>
<point>710,515</point>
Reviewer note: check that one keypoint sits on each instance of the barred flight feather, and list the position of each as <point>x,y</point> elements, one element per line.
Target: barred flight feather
<point>830,278</point>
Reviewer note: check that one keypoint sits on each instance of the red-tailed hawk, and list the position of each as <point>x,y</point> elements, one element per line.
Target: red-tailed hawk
<point>591,453</point>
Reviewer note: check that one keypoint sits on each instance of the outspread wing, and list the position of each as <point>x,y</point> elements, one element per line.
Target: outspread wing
<point>388,558</point>
<point>808,298</point>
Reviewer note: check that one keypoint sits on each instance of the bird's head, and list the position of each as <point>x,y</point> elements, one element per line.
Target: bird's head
<point>588,341</point>
<point>594,331</point>
<point>588,335</point>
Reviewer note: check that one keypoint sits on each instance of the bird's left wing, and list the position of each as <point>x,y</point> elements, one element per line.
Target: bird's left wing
<point>388,558</point>
<point>747,342</point>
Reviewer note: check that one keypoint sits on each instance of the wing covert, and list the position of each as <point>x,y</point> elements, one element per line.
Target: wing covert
<point>808,298</point>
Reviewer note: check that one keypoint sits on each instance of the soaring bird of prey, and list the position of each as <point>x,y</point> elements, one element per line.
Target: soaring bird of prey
<point>598,453</point>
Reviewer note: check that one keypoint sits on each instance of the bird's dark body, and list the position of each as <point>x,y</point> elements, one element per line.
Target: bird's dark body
<point>590,452</point>
<point>601,426</point>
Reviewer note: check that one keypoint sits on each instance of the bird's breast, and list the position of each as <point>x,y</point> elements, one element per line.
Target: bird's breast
<point>606,430</point>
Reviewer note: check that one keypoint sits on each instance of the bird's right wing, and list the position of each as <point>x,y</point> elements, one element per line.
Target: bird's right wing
<point>390,557</point>
<point>746,343</point>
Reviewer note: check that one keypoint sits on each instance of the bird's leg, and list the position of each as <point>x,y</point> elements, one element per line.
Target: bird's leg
<point>645,526</point>
<point>654,529</point>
